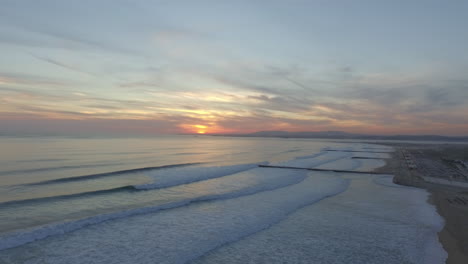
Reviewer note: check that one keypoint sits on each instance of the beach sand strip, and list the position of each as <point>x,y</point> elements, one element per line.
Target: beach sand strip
<point>412,163</point>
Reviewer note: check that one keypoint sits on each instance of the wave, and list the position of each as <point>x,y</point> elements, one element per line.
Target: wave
<point>163,180</point>
<point>113,173</point>
<point>341,164</point>
<point>315,160</point>
<point>40,160</point>
<point>58,168</point>
<point>189,153</point>
<point>361,150</point>
<point>375,158</point>
<point>390,149</point>
<point>181,176</point>
<point>65,196</point>
<point>291,150</point>
<point>168,178</point>
<point>94,153</point>
<point>17,238</point>
<point>312,156</point>
<point>387,181</point>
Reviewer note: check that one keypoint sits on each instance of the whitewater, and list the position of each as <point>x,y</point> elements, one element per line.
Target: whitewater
<point>187,199</point>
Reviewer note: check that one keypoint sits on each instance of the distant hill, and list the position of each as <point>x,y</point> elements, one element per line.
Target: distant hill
<point>345,135</point>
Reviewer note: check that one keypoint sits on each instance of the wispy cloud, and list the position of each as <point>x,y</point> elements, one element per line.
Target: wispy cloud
<point>27,79</point>
<point>107,127</point>
<point>44,32</point>
<point>63,65</point>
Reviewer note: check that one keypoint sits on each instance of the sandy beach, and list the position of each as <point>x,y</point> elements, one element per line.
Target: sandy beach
<point>440,170</point>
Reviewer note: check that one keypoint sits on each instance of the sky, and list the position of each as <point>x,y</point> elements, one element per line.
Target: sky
<point>157,67</point>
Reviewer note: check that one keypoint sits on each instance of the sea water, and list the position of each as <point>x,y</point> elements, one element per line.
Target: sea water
<point>179,199</point>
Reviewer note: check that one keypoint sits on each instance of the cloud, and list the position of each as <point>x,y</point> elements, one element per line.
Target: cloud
<point>247,86</point>
<point>346,69</point>
<point>107,127</point>
<point>298,84</point>
<point>265,103</point>
<point>62,65</point>
<point>34,24</point>
<point>106,107</point>
<point>139,84</point>
<point>69,104</point>
<point>282,103</point>
<point>27,79</point>
<point>42,38</point>
<point>357,102</point>
<point>448,96</point>
<point>260,122</point>
<point>47,112</point>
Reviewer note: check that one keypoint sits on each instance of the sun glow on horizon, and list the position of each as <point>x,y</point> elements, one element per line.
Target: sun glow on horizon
<point>196,129</point>
<point>201,129</point>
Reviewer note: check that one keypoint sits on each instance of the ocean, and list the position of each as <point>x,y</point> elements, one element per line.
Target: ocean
<point>204,199</point>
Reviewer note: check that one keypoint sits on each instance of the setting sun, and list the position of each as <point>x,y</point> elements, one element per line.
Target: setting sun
<point>194,129</point>
<point>201,129</point>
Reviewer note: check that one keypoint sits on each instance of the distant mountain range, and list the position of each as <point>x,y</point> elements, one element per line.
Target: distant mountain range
<point>345,135</point>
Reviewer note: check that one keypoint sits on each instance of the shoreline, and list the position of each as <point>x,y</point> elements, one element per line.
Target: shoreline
<point>450,201</point>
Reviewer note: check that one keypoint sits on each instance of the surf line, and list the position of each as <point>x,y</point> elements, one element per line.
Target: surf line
<point>314,169</point>
<point>358,151</point>
<point>366,158</point>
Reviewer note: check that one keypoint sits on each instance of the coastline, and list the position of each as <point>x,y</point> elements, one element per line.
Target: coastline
<point>450,201</point>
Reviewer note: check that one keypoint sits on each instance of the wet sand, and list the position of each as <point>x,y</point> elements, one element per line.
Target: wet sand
<point>451,201</point>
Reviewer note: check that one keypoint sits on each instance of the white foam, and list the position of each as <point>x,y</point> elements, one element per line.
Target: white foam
<point>312,156</point>
<point>388,181</point>
<point>253,181</point>
<point>178,176</point>
<point>180,235</point>
<point>368,223</point>
<point>315,160</point>
<point>341,164</point>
